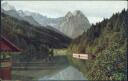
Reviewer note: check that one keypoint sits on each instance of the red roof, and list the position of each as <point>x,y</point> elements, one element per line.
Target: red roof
<point>7,46</point>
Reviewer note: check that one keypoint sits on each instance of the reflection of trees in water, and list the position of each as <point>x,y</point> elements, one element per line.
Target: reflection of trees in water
<point>44,54</point>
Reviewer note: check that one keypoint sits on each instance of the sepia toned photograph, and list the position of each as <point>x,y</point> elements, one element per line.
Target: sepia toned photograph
<point>61,40</point>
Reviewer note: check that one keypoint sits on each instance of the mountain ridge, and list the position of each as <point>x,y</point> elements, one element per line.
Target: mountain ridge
<point>72,24</point>
<point>30,38</point>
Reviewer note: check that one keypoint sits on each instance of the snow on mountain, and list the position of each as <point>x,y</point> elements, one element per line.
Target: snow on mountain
<point>6,6</point>
<point>10,10</point>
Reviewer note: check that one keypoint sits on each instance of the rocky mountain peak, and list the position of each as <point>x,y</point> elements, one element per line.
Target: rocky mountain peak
<point>27,13</point>
<point>69,14</point>
<point>78,13</point>
<point>6,6</point>
<point>74,24</point>
<point>21,13</point>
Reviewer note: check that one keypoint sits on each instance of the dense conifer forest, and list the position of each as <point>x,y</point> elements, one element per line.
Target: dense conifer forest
<point>107,40</point>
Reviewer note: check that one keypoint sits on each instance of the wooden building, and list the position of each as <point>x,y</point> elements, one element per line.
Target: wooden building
<point>6,48</point>
<point>83,56</point>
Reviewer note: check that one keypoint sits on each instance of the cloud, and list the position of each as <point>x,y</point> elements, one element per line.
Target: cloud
<point>95,19</point>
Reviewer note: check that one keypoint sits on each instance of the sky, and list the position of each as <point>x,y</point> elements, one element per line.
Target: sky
<point>95,11</point>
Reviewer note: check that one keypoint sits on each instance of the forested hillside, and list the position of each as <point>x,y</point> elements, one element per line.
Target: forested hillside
<point>107,40</point>
<point>35,42</point>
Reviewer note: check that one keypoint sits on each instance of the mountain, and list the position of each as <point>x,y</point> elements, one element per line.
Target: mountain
<point>31,17</point>
<point>35,42</point>
<point>7,6</point>
<point>13,13</point>
<point>74,24</point>
<point>42,20</point>
<point>10,10</point>
<point>107,41</point>
<point>28,18</point>
<point>78,24</point>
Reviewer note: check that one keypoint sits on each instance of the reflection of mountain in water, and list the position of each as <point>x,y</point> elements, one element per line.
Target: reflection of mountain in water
<point>69,73</point>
